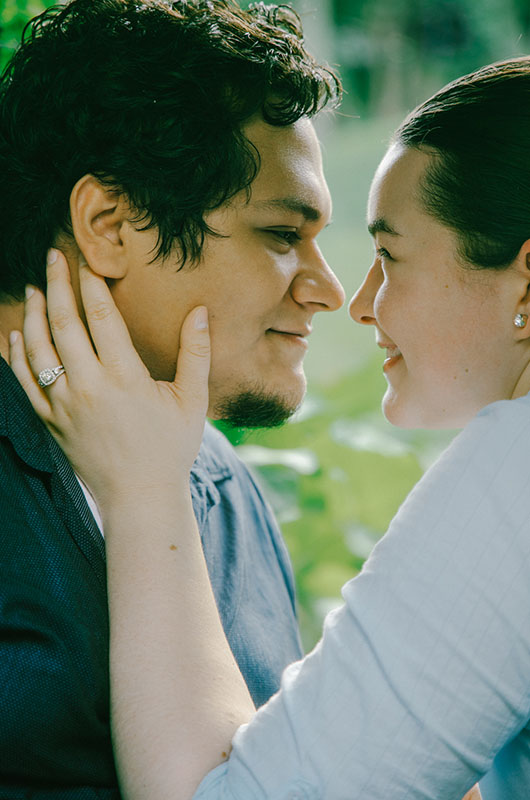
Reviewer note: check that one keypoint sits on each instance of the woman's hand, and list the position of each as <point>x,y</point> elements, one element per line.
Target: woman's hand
<point>122,431</point>
<point>177,696</point>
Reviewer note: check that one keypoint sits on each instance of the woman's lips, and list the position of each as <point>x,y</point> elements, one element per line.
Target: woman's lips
<point>393,355</point>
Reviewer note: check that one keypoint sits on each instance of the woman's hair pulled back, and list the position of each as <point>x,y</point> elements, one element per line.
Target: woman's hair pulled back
<point>478,182</point>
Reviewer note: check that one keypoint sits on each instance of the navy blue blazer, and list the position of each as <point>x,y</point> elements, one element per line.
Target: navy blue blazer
<point>54,691</point>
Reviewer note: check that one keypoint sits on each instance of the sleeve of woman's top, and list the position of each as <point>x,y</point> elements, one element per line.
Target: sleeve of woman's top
<point>424,674</point>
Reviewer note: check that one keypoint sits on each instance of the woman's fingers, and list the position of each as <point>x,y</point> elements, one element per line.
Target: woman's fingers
<point>20,366</point>
<point>41,355</point>
<point>107,327</point>
<point>193,365</point>
<point>40,350</point>
<point>70,337</point>
<point>110,337</point>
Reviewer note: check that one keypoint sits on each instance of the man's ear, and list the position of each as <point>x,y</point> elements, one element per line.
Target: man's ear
<point>101,226</point>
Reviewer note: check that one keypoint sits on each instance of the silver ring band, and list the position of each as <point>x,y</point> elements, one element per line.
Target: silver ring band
<point>48,376</point>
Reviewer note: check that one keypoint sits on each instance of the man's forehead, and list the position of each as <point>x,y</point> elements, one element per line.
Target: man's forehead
<point>309,208</point>
<point>290,176</point>
<point>286,153</point>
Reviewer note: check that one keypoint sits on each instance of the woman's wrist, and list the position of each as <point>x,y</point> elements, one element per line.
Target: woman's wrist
<point>148,503</point>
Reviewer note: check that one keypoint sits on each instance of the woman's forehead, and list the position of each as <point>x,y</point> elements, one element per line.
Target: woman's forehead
<point>396,186</point>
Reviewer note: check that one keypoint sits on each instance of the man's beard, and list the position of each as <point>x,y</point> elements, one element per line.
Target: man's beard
<point>256,409</point>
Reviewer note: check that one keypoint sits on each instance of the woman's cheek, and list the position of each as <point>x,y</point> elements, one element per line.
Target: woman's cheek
<point>385,306</point>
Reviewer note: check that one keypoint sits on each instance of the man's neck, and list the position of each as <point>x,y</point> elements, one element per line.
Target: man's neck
<point>11,319</point>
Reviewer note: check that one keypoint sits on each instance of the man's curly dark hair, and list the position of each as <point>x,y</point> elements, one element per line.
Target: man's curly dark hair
<point>150,97</point>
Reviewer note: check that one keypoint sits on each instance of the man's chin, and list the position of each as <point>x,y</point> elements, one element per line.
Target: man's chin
<point>256,409</point>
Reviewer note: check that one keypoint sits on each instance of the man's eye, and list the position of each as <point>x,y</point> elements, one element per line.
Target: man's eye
<point>382,252</point>
<point>288,237</point>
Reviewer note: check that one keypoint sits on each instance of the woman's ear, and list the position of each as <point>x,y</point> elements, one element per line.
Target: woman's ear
<point>521,317</point>
<point>101,226</point>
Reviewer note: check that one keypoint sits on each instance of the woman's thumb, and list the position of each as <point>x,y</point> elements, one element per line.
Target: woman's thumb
<point>193,365</point>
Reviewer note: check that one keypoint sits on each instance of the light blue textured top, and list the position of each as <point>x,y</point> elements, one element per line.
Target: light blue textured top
<point>421,684</point>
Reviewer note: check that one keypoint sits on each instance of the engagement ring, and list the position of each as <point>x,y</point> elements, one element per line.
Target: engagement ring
<point>48,376</point>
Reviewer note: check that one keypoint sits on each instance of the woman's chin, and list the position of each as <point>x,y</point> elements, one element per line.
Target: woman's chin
<point>409,415</point>
<point>400,414</point>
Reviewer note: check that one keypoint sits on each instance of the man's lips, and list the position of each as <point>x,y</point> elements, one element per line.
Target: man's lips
<point>302,332</point>
<point>294,336</point>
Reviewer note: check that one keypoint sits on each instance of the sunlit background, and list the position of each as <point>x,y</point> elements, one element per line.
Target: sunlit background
<point>337,473</point>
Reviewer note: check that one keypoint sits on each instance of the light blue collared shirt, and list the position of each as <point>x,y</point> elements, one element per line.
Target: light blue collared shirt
<point>248,565</point>
<point>421,684</point>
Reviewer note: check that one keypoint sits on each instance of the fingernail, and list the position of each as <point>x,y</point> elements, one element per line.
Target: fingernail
<point>29,291</point>
<point>13,336</point>
<point>52,256</point>
<point>201,318</point>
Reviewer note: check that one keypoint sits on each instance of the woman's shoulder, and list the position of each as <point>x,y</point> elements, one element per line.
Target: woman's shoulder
<point>502,427</point>
<point>484,468</point>
<point>506,412</point>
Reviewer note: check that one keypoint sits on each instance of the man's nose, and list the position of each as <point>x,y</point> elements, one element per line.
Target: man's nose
<point>316,284</point>
<point>361,307</point>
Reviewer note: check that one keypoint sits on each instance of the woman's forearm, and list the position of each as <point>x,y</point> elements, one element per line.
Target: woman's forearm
<point>177,696</point>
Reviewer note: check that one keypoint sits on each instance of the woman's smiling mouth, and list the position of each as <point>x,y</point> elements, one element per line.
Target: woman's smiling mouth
<point>393,355</point>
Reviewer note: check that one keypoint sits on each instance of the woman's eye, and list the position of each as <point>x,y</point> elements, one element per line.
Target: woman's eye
<point>288,237</point>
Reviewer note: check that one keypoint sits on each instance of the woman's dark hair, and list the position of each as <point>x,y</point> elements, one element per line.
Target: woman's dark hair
<point>150,97</point>
<point>478,182</point>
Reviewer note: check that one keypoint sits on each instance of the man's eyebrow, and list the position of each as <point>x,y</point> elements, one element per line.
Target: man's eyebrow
<point>294,204</point>
<point>380,225</point>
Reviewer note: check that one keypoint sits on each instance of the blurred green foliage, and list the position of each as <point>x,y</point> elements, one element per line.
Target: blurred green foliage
<point>393,53</point>
<point>337,473</point>
<point>14,14</point>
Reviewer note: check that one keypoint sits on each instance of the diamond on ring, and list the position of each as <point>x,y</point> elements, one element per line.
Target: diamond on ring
<point>48,376</point>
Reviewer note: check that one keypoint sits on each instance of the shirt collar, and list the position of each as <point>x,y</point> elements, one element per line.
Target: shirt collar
<point>210,459</point>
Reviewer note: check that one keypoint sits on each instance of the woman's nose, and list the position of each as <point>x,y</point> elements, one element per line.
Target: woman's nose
<point>361,307</point>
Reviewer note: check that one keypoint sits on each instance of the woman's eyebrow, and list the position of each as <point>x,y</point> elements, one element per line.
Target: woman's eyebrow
<point>381,225</point>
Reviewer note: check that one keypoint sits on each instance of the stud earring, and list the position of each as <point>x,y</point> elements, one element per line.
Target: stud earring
<point>520,320</point>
